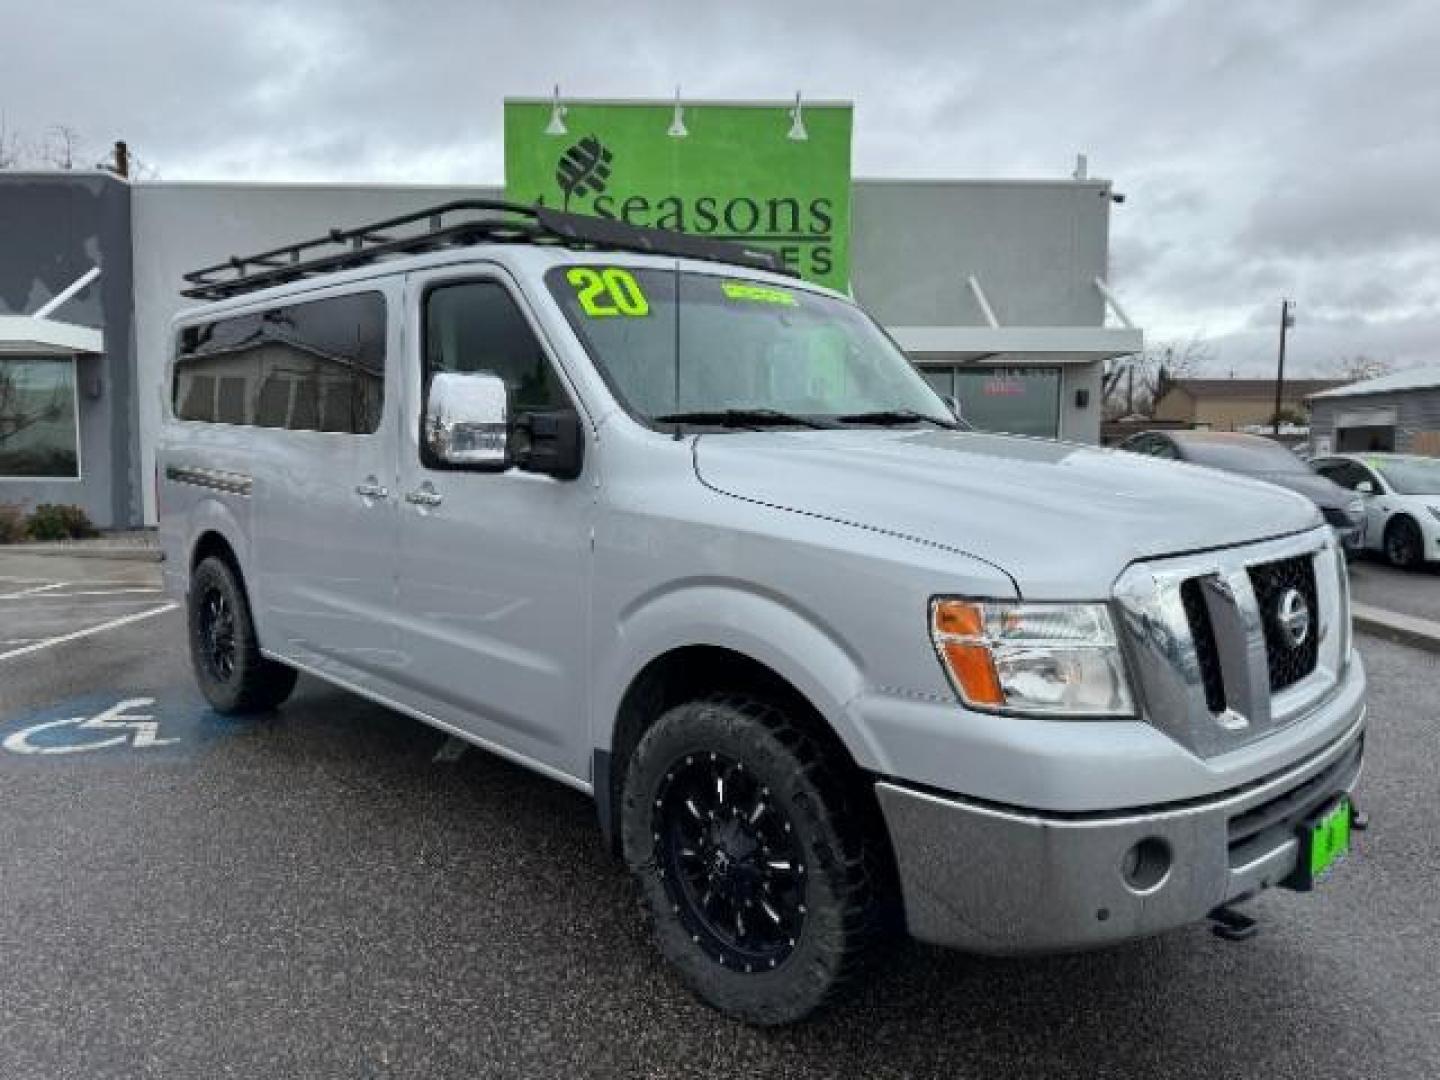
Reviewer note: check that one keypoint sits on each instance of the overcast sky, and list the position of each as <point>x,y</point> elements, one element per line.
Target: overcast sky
<point>1266,148</point>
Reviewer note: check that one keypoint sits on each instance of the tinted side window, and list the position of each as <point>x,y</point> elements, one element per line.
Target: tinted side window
<point>1360,474</point>
<point>476,326</point>
<point>313,366</point>
<point>1345,473</point>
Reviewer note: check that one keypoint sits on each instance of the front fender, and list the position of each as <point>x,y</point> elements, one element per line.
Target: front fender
<point>737,616</point>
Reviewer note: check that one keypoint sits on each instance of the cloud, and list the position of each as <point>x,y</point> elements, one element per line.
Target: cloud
<point>1285,148</point>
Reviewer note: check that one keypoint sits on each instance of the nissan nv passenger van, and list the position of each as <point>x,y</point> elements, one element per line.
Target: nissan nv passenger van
<point>647,515</point>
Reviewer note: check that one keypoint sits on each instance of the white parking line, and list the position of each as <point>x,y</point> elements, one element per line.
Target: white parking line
<point>33,590</point>
<point>49,581</point>
<point>78,592</point>
<point>111,625</point>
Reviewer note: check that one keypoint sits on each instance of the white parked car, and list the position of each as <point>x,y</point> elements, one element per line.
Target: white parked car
<point>1402,502</point>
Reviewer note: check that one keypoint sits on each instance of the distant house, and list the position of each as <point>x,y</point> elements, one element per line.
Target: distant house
<point>1232,404</point>
<point>1399,412</point>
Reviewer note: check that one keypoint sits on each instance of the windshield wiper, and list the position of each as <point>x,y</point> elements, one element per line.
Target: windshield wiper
<point>751,418</point>
<point>885,417</point>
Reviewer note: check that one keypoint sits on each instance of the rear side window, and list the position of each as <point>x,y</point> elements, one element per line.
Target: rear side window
<point>313,366</point>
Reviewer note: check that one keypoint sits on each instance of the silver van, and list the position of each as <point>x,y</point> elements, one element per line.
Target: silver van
<point>649,516</point>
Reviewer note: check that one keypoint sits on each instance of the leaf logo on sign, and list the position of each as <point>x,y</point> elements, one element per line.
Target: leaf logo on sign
<point>584,168</point>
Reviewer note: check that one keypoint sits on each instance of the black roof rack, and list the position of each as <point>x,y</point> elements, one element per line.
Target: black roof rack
<point>458,224</point>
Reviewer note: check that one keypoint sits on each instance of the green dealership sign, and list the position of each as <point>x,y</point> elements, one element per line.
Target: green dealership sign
<point>757,174</point>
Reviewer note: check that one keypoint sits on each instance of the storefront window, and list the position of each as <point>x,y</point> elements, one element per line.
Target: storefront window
<point>38,434</point>
<point>1015,400</point>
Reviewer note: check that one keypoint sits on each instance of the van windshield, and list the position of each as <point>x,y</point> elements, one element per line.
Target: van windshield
<point>681,346</point>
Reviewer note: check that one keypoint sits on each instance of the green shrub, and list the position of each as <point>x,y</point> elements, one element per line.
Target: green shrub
<point>12,523</point>
<point>51,521</point>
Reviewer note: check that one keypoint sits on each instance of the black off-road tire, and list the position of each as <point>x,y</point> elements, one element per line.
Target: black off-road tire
<point>838,843</point>
<point>220,626</point>
<point>1404,544</point>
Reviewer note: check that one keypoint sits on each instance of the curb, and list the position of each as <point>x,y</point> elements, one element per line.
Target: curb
<point>121,554</point>
<point>1406,629</point>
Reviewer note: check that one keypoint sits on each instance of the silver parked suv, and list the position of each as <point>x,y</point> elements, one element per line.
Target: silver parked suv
<point>644,514</point>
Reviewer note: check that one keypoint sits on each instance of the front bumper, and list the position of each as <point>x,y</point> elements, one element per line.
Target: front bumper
<point>999,880</point>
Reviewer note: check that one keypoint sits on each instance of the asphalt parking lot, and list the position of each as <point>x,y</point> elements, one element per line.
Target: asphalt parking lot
<point>1410,592</point>
<point>330,891</point>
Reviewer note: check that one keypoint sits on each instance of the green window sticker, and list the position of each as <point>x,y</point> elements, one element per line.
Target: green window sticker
<point>608,291</point>
<point>760,294</point>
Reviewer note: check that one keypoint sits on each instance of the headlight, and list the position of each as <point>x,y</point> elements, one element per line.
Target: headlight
<point>1032,659</point>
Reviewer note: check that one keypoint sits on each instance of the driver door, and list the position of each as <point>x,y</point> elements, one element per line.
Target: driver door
<point>495,567</point>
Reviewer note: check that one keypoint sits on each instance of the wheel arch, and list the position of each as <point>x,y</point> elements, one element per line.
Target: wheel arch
<point>216,532</point>
<point>214,529</point>
<point>683,673</point>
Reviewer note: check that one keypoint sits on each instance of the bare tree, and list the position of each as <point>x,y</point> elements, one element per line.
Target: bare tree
<point>62,145</point>
<point>1360,366</point>
<point>1132,384</point>
<point>10,149</point>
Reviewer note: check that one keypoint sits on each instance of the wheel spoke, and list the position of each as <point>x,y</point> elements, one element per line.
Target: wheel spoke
<point>729,856</point>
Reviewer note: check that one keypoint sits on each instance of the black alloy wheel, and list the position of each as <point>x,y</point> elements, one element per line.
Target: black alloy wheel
<point>759,856</point>
<point>217,634</point>
<point>1404,545</point>
<point>232,673</point>
<point>730,862</point>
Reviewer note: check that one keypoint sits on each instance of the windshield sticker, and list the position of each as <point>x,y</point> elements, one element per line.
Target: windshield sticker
<point>607,292</point>
<point>760,294</point>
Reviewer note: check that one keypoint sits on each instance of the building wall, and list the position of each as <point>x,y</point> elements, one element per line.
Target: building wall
<point>1220,413</point>
<point>54,227</point>
<point>1035,247</point>
<point>1227,414</point>
<point>1417,412</point>
<point>1175,404</point>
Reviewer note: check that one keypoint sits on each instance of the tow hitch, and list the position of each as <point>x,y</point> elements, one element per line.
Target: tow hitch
<point>1232,925</point>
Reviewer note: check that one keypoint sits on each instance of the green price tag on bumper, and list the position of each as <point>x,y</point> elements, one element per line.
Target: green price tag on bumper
<point>1329,838</point>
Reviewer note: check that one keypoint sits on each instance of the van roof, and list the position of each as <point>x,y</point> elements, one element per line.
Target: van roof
<point>459,224</point>
<point>522,260</point>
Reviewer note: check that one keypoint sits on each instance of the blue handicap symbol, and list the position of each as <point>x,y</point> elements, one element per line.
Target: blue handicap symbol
<point>108,725</point>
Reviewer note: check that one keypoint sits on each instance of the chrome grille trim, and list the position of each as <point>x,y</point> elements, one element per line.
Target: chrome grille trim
<point>1156,632</point>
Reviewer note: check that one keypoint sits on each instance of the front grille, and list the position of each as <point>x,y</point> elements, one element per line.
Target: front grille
<point>1272,581</point>
<point>1212,661</point>
<point>1206,651</point>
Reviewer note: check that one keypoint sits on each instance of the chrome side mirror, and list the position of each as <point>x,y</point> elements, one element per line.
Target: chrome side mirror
<point>467,421</point>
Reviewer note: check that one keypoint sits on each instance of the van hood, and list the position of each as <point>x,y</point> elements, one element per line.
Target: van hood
<point>1061,520</point>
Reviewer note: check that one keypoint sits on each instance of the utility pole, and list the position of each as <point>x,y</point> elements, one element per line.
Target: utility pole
<point>1287,320</point>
